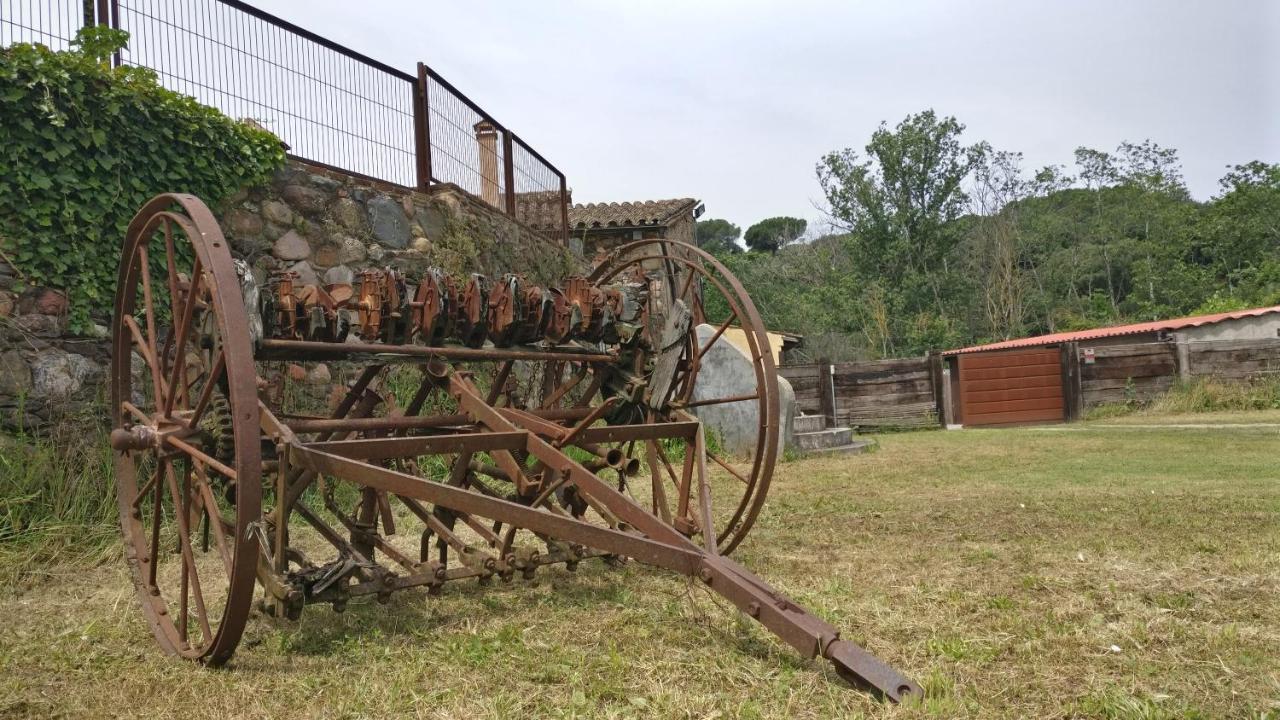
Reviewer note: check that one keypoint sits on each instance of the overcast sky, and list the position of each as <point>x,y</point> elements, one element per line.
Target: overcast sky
<point>734,101</point>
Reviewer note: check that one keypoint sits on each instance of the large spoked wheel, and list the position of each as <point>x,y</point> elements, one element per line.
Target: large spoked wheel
<point>185,418</point>
<point>682,275</point>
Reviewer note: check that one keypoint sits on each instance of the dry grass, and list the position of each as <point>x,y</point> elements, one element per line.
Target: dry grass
<point>1014,573</point>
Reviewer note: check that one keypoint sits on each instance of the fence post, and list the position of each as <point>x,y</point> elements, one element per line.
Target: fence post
<point>509,171</point>
<point>827,391</point>
<point>422,129</point>
<point>1072,396</point>
<point>564,210</point>
<point>938,381</point>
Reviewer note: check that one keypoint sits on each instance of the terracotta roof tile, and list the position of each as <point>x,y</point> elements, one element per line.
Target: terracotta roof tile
<point>1117,330</point>
<point>628,214</point>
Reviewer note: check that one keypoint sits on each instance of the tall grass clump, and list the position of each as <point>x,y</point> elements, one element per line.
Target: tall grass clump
<point>1209,394</point>
<point>57,502</point>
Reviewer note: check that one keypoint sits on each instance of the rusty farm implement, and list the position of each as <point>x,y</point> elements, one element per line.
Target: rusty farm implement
<point>539,427</point>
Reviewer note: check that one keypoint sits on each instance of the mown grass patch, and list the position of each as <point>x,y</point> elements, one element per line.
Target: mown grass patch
<point>1072,572</point>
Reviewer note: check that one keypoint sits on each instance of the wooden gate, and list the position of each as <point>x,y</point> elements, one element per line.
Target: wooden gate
<point>1014,386</point>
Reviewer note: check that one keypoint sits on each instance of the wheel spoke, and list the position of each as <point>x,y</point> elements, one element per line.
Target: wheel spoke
<point>188,556</point>
<point>719,331</point>
<point>215,516</point>
<point>726,466</point>
<point>661,506</point>
<point>722,401</point>
<point>206,392</point>
<point>178,371</point>
<point>148,354</point>
<point>153,553</point>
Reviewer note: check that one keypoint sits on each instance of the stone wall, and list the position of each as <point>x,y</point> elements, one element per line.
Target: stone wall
<point>323,224</point>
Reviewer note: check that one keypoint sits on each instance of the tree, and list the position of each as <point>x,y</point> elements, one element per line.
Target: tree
<point>774,233</point>
<point>897,203</point>
<point>717,236</point>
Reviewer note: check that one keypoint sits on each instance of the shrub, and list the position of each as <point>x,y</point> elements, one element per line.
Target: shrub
<point>85,145</point>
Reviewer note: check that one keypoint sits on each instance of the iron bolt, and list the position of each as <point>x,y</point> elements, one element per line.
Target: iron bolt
<point>705,574</point>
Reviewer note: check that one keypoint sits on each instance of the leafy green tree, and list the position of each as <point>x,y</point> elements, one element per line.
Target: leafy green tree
<point>897,202</point>
<point>773,233</point>
<point>717,236</point>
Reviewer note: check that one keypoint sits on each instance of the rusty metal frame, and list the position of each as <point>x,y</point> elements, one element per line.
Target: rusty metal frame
<point>560,500</point>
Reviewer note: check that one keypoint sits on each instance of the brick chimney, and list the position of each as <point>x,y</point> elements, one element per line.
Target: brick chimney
<point>487,140</point>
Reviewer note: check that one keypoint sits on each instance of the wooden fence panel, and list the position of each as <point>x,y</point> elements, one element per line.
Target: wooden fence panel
<point>1121,372</point>
<point>878,393</point>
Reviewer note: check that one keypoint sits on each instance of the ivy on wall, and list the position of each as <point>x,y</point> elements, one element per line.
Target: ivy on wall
<point>85,145</point>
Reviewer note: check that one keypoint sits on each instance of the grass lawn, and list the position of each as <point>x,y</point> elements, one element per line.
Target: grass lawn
<point>1035,572</point>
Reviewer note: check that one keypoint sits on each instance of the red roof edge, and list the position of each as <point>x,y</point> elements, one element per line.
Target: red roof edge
<point>1116,330</point>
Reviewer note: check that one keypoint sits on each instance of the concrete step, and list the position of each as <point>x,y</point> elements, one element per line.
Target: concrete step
<point>823,439</point>
<point>857,446</point>
<point>809,423</point>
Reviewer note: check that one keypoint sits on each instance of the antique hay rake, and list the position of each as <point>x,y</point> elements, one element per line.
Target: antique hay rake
<point>542,427</point>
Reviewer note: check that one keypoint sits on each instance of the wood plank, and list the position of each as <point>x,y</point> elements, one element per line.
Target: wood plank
<point>1001,406</point>
<point>1121,351</point>
<point>1046,370</point>
<point>979,361</point>
<point>1014,394</point>
<point>1021,416</point>
<point>1006,384</point>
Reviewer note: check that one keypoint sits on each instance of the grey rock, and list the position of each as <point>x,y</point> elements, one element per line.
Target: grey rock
<point>388,222</point>
<point>15,376</point>
<point>324,182</point>
<point>277,212</point>
<point>40,325</point>
<point>306,200</point>
<point>434,220</point>
<point>350,250</point>
<point>291,246</point>
<point>727,371</point>
<point>59,374</point>
<point>244,223</point>
<point>376,253</point>
<point>350,215</point>
<point>306,274</point>
<point>338,275</point>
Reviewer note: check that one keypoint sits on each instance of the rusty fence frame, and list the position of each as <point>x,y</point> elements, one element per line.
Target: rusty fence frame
<point>392,140</point>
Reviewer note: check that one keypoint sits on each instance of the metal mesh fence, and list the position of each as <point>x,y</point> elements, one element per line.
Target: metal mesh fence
<point>51,23</point>
<point>327,103</point>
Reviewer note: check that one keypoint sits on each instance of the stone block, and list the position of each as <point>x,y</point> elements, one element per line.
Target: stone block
<point>387,222</point>
<point>59,374</point>
<point>243,223</point>
<point>307,200</point>
<point>15,376</point>
<point>726,372</point>
<point>291,246</point>
<point>43,301</point>
<point>350,216</point>
<point>350,250</point>
<point>306,274</point>
<point>277,212</point>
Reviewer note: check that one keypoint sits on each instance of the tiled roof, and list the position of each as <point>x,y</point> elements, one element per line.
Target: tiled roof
<point>1117,330</point>
<point>628,214</point>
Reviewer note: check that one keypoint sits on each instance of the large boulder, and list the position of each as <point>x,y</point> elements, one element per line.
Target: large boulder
<point>727,371</point>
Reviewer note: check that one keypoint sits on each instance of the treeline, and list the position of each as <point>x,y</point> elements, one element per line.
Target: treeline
<point>938,244</point>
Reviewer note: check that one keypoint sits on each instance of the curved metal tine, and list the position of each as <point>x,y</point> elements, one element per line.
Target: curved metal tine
<point>188,555</point>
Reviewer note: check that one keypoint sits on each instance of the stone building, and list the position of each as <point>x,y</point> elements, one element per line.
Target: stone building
<point>603,226</point>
